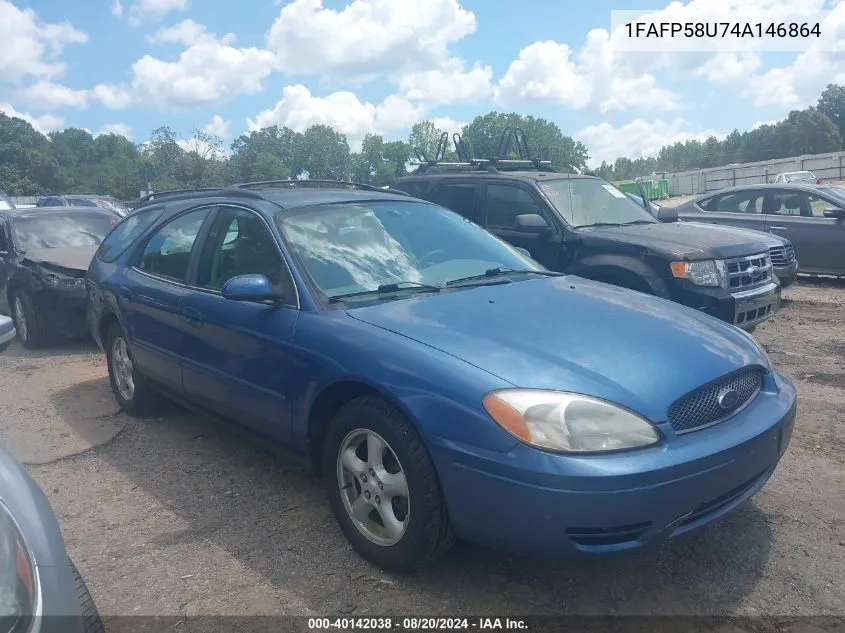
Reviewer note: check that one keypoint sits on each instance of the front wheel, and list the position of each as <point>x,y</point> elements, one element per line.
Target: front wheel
<point>383,487</point>
<point>91,621</point>
<point>29,321</point>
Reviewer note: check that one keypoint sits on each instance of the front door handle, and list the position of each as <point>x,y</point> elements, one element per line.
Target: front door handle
<point>778,228</point>
<point>192,317</point>
<point>123,294</point>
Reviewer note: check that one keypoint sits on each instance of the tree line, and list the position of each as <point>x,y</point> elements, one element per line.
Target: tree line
<point>74,161</point>
<point>815,130</point>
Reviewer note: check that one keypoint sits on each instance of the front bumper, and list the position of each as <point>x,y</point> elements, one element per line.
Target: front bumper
<point>787,275</point>
<point>533,502</point>
<point>743,309</point>
<point>64,312</point>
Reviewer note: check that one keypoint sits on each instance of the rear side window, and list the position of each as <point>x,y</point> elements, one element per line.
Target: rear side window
<point>125,233</point>
<point>416,189</point>
<point>168,252</point>
<point>457,198</point>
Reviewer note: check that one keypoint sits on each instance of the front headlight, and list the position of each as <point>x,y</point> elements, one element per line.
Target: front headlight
<point>568,422</point>
<point>19,590</point>
<point>63,282</point>
<point>709,272</point>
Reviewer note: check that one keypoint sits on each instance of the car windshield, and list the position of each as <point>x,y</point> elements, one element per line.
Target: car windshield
<point>112,205</point>
<point>589,202</point>
<point>838,195</point>
<point>800,175</point>
<point>56,231</point>
<point>364,247</point>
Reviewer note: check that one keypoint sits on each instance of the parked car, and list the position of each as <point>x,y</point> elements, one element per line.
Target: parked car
<point>44,254</point>
<point>5,203</point>
<point>781,252</point>
<point>84,200</point>
<point>443,383</point>
<point>798,177</point>
<point>812,217</point>
<point>588,227</point>
<point>7,332</point>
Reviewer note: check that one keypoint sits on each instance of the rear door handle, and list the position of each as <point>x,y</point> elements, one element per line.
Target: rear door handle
<point>123,294</point>
<point>192,316</point>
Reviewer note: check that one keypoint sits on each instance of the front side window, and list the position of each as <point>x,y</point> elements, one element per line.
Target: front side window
<point>239,244</point>
<point>584,202</point>
<point>790,203</point>
<point>168,252</point>
<point>739,202</point>
<point>350,248</point>
<point>52,230</point>
<point>505,202</point>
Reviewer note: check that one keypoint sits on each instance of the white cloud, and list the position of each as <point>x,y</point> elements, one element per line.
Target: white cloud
<point>452,84</point>
<point>729,68</point>
<point>210,70</point>
<point>44,123</point>
<point>121,129</point>
<point>186,32</point>
<point>759,124</point>
<point>218,126</point>
<point>367,37</point>
<point>46,95</point>
<point>111,96</point>
<point>31,47</point>
<point>149,10</point>
<point>343,111</point>
<point>546,71</point>
<point>637,139</point>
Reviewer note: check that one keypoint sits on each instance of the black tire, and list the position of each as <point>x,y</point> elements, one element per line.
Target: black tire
<point>33,334</point>
<point>428,534</point>
<point>91,621</point>
<point>144,401</point>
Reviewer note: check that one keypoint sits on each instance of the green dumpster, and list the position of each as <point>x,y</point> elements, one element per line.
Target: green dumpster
<point>655,188</point>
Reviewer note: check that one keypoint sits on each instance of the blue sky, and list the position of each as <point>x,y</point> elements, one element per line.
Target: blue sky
<point>379,65</point>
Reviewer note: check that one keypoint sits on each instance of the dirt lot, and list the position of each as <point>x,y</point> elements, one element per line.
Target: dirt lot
<point>173,516</point>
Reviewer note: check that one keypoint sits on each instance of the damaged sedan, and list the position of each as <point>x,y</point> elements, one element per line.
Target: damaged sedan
<point>44,255</point>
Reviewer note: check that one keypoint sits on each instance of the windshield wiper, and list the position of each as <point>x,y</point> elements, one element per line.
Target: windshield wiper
<point>581,226</point>
<point>499,271</point>
<point>397,286</point>
<point>640,222</point>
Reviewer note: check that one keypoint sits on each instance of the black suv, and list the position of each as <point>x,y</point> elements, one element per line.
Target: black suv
<point>588,227</point>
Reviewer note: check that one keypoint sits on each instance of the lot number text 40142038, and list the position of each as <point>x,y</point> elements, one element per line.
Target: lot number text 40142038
<point>416,624</point>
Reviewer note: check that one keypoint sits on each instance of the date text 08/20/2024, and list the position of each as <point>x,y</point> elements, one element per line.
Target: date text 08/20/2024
<point>416,624</point>
<point>722,30</point>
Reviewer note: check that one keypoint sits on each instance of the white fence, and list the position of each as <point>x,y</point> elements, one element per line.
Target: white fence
<point>688,183</point>
<point>19,201</point>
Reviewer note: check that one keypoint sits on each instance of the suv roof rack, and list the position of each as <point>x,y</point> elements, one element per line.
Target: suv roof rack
<point>315,184</point>
<point>155,195</point>
<point>466,162</point>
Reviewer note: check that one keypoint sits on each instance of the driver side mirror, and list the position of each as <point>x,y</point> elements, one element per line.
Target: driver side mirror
<point>531,223</point>
<point>839,214</point>
<point>667,214</point>
<point>250,288</point>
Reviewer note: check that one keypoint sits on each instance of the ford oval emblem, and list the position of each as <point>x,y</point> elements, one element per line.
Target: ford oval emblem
<point>728,398</point>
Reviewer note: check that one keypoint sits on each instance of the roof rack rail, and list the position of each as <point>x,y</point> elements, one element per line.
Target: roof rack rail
<point>155,195</point>
<point>314,183</point>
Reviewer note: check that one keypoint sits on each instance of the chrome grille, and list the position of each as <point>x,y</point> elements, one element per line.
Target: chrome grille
<point>744,272</point>
<point>782,255</point>
<point>707,405</point>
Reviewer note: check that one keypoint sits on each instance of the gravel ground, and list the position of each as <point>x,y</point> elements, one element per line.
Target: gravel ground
<point>174,516</point>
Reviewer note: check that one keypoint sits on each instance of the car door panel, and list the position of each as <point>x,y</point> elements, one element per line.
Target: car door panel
<point>742,209</point>
<point>151,294</point>
<point>6,266</point>
<point>819,242</point>
<point>239,358</point>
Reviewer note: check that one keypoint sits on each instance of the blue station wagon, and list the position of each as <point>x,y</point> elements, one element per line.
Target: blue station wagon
<point>444,384</point>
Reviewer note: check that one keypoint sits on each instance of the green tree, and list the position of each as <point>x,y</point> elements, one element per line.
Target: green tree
<point>249,160</point>
<point>832,105</point>
<point>379,163</point>
<point>426,137</point>
<point>323,154</point>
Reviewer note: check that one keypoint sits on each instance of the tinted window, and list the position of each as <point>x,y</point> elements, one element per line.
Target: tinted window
<point>240,244</point>
<point>505,202</point>
<point>4,241</point>
<point>125,233</point>
<point>81,202</point>
<point>590,201</point>
<point>458,198</point>
<point>358,247</point>
<point>797,203</point>
<point>416,189</point>
<point>49,202</point>
<point>739,202</point>
<point>169,250</point>
<point>55,231</point>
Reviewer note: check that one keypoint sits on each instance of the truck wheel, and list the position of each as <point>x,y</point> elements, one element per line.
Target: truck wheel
<point>91,621</point>
<point>383,488</point>
<point>29,321</point>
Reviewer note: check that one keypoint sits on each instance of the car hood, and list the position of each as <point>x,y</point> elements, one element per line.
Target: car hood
<point>573,334</point>
<point>69,258</point>
<point>768,239</point>
<point>678,239</point>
